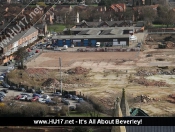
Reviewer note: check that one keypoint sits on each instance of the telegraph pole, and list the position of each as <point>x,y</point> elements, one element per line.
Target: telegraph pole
<point>60,75</point>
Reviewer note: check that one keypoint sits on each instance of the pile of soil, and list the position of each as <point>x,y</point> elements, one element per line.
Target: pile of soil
<point>169,38</point>
<point>171,98</point>
<point>144,72</point>
<point>146,82</point>
<point>144,99</point>
<point>50,82</point>
<point>78,70</point>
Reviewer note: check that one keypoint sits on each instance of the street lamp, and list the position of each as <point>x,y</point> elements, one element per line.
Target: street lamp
<point>60,76</point>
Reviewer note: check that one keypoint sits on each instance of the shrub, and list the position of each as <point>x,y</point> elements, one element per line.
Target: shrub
<point>64,110</point>
<point>31,110</point>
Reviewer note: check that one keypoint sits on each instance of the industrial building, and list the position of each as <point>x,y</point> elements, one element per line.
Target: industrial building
<point>108,36</point>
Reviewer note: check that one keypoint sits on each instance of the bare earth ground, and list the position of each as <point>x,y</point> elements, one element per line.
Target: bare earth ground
<point>110,86</point>
<point>85,59</point>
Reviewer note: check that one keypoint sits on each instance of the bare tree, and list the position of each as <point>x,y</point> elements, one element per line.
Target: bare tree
<point>148,15</point>
<point>21,54</point>
<point>87,108</point>
<point>166,15</point>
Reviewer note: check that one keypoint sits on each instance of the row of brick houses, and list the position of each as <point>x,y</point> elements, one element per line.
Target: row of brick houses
<point>25,37</point>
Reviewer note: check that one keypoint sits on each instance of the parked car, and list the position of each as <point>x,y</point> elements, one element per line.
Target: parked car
<point>41,100</point>
<point>67,102</point>
<point>23,98</point>
<point>3,94</point>
<point>38,95</point>
<point>28,98</point>
<point>21,89</point>
<point>4,90</point>
<point>68,96</point>
<point>31,90</point>
<point>5,85</point>
<point>1,99</point>
<point>57,94</point>
<point>63,100</point>
<point>3,74</point>
<point>1,80</point>
<point>28,95</point>
<point>72,108</point>
<point>33,47</point>
<point>50,102</point>
<point>74,97</point>
<point>1,77</point>
<point>37,51</point>
<point>34,99</point>
<point>40,92</point>
<point>45,96</point>
<point>13,88</point>
<point>11,68</point>
<point>17,97</point>
<point>80,100</point>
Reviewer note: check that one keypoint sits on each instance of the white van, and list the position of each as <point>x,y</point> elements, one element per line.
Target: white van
<point>57,48</point>
<point>65,47</point>
<point>98,44</point>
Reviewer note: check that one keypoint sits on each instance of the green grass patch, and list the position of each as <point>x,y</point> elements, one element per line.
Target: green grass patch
<point>56,27</point>
<point>162,26</point>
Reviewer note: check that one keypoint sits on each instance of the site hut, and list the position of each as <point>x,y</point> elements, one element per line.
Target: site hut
<point>88,37</point>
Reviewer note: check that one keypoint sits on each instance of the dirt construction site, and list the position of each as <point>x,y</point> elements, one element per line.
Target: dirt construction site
<point>148,76</point>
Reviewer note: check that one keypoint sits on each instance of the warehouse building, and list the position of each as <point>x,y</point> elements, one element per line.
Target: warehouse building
<point>108,36</point>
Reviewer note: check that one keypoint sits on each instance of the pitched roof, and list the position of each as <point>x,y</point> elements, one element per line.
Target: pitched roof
<point>124,105</point>
<point>106,32</point>
<point>83,32</point>
<point>97,24</point>
<point>22,35</point>
<point>118,7</point>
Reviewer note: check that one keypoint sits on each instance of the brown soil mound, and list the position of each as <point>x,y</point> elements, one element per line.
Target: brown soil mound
<point>146,82</point>
<point>78,70</point>
<point>50,82</point>
<point>145,99</point>
<point>171,98</point>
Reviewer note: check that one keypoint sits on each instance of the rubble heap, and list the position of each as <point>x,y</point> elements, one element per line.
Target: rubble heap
<point>146,82</point>
<point>50,82</point>
<point>143,72</point>
<point>145,99</point>
<point>171,98</point>
<point>169,44</point>
<point>78,70</point>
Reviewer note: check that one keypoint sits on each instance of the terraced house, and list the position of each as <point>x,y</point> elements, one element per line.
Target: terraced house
<point>23,38</point>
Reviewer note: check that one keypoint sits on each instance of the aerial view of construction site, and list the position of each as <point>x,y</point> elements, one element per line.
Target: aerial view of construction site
<point>148,75</point>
